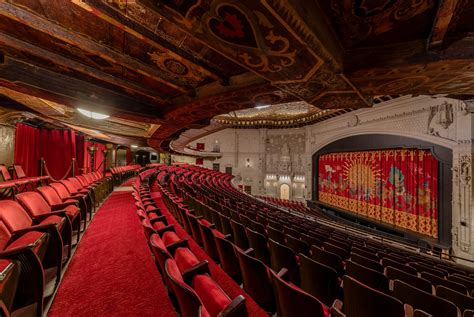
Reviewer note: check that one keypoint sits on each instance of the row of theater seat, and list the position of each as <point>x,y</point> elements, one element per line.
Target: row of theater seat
<point>37,227</point>
<point>10,186</point>
<point>290,204</point>
<point>316,258</point>
<point>121,173</point>
<point>187,278</point>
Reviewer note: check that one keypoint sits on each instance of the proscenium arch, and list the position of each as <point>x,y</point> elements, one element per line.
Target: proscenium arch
<point>379,141</point>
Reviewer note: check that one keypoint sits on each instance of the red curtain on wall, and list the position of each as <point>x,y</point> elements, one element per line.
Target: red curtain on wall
<point>397,186</point>
<point>58,147</point>
<point>27,149</point>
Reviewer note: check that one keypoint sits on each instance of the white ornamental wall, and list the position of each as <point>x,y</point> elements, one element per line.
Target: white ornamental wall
<point>442,121</point>
<point>279,153</point>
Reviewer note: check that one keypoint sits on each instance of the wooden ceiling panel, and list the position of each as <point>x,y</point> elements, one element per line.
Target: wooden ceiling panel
<point>182,62</point>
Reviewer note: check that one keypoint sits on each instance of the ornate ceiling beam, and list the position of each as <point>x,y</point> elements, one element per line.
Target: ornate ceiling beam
<point>446,11</point>
<point>272,39</point>
<point>124,22</point>
<point>41,24</point>
<point>36,81</point>
<point>16,44</point>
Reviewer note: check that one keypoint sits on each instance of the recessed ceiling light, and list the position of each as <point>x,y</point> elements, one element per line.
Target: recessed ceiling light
<point>92,114</point>
<point>134,146</point>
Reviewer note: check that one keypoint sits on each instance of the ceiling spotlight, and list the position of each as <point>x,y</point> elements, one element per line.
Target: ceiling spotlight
<point>262,107</point>
<point>92,114</point>
<point>134,146</point>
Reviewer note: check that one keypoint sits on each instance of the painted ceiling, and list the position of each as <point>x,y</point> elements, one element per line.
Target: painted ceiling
<point>162,67</point>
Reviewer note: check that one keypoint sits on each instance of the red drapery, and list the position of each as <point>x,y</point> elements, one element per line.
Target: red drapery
<point>57,147</point>
<point>397,186</point>
<point>27,150</point>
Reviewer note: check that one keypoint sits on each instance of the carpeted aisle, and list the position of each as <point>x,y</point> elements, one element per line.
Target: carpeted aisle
<point>112,272</point>
<point>224,280</point>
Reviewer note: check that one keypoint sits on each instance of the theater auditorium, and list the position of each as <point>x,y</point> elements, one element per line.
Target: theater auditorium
<point>224,158</point>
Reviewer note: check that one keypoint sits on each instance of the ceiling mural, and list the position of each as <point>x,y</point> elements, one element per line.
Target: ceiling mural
<point>162,67</point>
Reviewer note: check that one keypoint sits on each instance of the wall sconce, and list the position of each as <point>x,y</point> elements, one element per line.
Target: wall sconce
<point>247,162</point>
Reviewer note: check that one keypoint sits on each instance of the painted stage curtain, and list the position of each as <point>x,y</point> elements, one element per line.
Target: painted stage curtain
<point>27,150</point>
<point>398,186</point>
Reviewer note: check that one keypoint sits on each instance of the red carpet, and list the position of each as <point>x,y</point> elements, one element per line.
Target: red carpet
<point>113,273</point>
<point>224,280</point>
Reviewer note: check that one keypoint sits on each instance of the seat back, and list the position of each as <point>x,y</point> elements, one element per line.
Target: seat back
<point>327,258</point>
<point>14,216</point>
<point>208,241</point>
<point>319,280</point>
<point>5,173</point>
<point>393,274</point>
<point>362,301</point>
<point>76,182</point>
<point>336,250</point>
<point>293,301</point>
<point>258,242</point>
<point>50,195</point>
<point>61,190</point>
<point>435,281</point>
<point>422,300</point>
<point>239,235</point>
<point>70,186</point>
<point>362,260</point>
<point>159,251</point>
<point>189,303</point>
<point>401,266</point>
<point>34,203</point>
<point>283,257</point>
<point>368,276</point>
<point>194,224</point>
<point>20,173</point>
<point>256,279</point>
<point>276,234</point>
<point>5,236</point>
<point>228,258</point>
<point>297,245</point>
<point>462,301</point>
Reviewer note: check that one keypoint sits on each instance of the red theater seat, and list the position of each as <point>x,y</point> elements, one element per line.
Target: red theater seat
<point>293,301</point>
<point>40,210</point>
<point>363,301</point>
<point>204,298</point>
<point>69,206</point>
<point>256,279</point>
<point>66,196</point>
<point>42,236</point>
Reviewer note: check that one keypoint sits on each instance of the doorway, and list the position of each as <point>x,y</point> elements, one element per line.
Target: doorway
<point>285,191</point>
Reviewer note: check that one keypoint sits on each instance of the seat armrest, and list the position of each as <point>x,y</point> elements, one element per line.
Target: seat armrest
<point>200,268</point>
<point>421,313</point>
<point>159,219</point>
<point>336,309</point>
<point>235,308</point>
<point>408,310</point>
<point>153,210</point>
<point>250,252</point>
<point>41,228</point>
<point>63,205</point>
<point>61,213</point>
<point>163,230</point>
<point>173,246</point>
<point>283,274</point>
